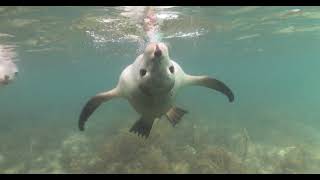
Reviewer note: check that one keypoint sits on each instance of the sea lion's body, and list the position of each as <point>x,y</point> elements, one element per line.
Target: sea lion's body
<point>150,84</point>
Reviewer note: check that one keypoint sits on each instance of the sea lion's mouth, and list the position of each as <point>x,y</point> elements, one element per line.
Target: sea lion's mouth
<point>5,82</point>
<point>151,91</point>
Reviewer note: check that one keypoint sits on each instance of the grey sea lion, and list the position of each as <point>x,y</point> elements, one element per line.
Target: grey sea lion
<point>150,84</point>
<point>8,72</point>
<point>8,68</point>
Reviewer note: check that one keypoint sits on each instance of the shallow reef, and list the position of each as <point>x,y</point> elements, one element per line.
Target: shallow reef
<point>127,153</point>
<point>188,148</point>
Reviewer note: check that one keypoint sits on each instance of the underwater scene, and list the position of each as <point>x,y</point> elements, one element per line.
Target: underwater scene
<point>103,89</point>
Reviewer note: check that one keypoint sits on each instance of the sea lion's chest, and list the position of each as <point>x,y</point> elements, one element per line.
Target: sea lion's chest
<point>152,105</point>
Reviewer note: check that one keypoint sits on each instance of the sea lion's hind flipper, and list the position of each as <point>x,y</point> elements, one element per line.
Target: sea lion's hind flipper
<point>142,127</point>
<point>93,104</point>
<point>175,114</point>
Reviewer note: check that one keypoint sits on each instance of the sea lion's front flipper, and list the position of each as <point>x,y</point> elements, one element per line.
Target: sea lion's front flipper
<point>142,127</point>
<point>210,83</point>
<point>93,104</point>
<point>175,114</point>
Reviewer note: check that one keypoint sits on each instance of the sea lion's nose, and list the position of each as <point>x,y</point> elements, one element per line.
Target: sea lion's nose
<point>157,52</point>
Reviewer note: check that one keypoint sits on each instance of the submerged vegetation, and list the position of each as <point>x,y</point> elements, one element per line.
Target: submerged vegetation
<point>167,150</point>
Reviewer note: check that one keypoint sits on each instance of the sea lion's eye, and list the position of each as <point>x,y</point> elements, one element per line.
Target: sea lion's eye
<point>171,68</point>
<point>143,72</point>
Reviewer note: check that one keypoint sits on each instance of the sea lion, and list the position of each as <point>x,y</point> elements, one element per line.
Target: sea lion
<point>8,68</point>
<point>8,72</point>
<point>150,84</point>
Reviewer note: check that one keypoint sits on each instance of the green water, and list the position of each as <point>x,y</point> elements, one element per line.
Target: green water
<point>268,56</point>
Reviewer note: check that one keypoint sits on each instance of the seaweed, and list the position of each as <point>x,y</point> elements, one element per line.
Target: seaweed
<point>295,160</point>
<point>218,160</point>
<point>167,150</point>
<point>126,152</point>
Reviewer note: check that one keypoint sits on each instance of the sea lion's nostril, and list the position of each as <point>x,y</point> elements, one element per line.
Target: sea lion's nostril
<point>157,53</point>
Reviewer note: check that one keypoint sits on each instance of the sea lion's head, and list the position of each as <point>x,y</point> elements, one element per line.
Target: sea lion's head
<point>156,71</point>
<point>8,72</point>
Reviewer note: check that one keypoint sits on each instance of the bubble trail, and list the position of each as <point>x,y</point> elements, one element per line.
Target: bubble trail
<point>151,26</point>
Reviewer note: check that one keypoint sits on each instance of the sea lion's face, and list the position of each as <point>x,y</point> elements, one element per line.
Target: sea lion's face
<point>156,73</point>
<point>8,72</point>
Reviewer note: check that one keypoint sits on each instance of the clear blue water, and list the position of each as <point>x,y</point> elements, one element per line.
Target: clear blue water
<point>268,56</point>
